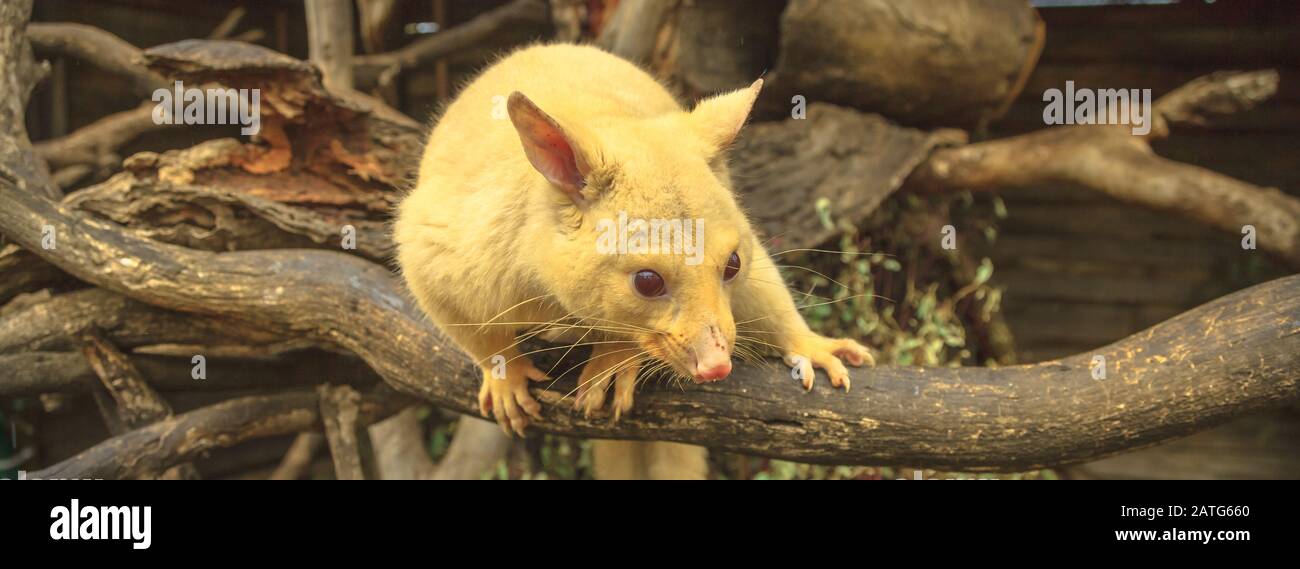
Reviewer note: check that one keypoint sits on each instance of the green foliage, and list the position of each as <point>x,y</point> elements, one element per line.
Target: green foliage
<point>890,286</point>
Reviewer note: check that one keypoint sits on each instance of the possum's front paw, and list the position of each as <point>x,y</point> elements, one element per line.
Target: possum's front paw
<point>595,378</point>
<point>505,395</point>
<point>815,350</point>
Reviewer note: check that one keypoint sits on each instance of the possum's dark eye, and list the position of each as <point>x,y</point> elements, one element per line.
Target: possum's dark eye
<point>733,267</point>
<point>649,284</point>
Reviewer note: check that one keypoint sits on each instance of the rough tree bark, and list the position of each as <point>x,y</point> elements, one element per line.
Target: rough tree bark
<point>19,74</point>
<point>38,348</point>
<point>134,402</point>
<point>153,449</point>
<point>330,43</point>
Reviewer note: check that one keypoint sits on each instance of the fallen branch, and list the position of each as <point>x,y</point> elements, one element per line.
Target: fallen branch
<point>137,403</point>
<point>635,28</point>
<point>134,403</point>
<point>1109,160</point>
<point>330,42</point>
<point>1217,94</point>
<point>96,47</point>
<point>339,408</point>
<point>38,343</point>
<point>298,458</point>
<point>19,74</point>
<point>52,324</point>
<point>93,147</point>
<point>30,374</point>
<point>96,144</point>
<point>184,438</point>
<point>513,19</point>
<point>24,272</point>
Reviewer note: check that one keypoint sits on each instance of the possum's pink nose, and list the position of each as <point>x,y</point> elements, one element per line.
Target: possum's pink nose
<point>713,372</point>
<point>712,358</point>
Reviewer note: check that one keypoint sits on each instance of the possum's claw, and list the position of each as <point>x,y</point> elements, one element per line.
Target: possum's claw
<point>507,398</point>
<point>624,387</point>
<point>825,353</point>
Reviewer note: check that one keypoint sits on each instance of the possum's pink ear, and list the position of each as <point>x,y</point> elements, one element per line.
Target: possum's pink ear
<point>718,119</point>
<point>549,148</point>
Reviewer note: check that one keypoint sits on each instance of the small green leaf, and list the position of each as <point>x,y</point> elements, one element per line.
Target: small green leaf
<point>823,206</point>
<point>984,272</point>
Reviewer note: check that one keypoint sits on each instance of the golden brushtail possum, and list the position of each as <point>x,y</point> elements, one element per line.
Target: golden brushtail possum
<point>565,190</point>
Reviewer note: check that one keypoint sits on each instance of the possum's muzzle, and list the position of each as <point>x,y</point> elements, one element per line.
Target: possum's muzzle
<point>710,355</point>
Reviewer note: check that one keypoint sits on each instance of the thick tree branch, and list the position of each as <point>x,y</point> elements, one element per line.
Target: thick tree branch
<point>187,437</point>
<point>298,458</point>
<point>330,42</point>
<point>633,31</point>
<point>1237,354</point>
<point>38,343</point>
<point>137,403</point>
<point>19,74</point>
<point>134,404</point>
<point>24,272</point>
<point>1216,94</point>
<point>30,374</point>
<point>339,408</point>
<point>96,144</point>
<point>1109,160</point>
<point>52,325</point>
<point>509,20</point>
<point>96,47</point>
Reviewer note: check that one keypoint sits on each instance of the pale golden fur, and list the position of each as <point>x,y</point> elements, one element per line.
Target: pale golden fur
<point>489,246</point>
